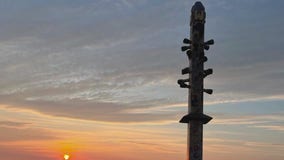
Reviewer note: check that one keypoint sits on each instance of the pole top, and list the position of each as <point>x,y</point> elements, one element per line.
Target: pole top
<point>198,6</point>
<point>197,13</point>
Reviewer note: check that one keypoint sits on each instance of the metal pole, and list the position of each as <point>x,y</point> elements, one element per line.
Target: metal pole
<point>195,52</point>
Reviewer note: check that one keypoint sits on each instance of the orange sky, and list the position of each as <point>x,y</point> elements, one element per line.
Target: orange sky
<point>51,137</point>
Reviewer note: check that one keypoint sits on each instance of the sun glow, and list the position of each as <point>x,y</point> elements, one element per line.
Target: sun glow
<point>66,156</point>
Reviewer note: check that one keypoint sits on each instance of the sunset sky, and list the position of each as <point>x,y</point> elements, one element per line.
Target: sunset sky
<point>96,79</point>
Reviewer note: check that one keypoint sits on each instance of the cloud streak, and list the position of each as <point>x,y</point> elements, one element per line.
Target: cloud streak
<point>14,124</point>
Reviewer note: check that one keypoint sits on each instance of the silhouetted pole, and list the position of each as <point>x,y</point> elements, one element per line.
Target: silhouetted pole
<point>195,52</point>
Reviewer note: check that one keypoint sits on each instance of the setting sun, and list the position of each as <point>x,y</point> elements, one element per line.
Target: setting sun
<point>66,156</point>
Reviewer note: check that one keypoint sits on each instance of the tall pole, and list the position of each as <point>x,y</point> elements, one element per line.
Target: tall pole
<point>195,53</point>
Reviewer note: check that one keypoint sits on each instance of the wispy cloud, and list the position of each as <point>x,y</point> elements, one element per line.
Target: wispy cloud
<point>227,146</point>
<point>9,134</point>
<point>14,124</point>
<point>271,127</point>
<point>248,120</point>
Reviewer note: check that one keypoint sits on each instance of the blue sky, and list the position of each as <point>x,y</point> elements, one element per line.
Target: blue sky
<point>113,65</point>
